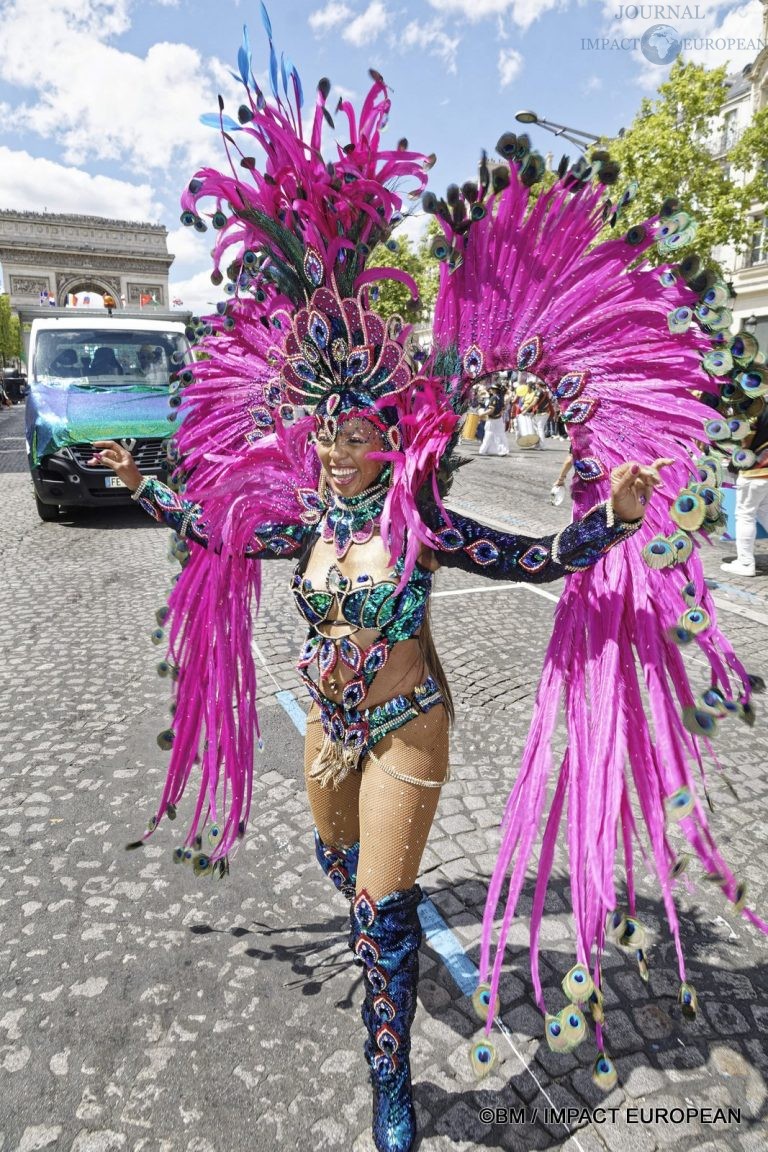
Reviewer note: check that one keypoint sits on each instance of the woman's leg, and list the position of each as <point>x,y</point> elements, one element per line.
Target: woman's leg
<point>395,818</point>
<point>334,810</point>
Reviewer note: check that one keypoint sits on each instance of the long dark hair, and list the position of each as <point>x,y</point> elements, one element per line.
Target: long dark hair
<point>432,660</point>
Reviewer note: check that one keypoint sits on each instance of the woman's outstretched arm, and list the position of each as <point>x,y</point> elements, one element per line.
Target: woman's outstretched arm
<point>271,541</point>
<point>467,544</point>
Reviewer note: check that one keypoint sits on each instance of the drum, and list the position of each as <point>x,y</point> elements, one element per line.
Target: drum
<point>470,426</point>
<point>527,437</point>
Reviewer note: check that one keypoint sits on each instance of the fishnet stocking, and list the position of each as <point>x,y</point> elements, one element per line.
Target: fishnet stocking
<point>334,810</point>
<point>391,819</point>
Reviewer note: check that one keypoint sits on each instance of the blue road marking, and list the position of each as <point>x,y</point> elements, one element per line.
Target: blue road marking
<point>290,704</point>
<point>440,937</point>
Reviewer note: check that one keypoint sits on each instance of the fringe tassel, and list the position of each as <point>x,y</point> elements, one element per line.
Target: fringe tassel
<point>333,763</point>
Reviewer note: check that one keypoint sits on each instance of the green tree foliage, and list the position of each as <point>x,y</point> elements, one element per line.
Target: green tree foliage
<point>670,150</point>
<point>10,331</point>
<point>393,298</point>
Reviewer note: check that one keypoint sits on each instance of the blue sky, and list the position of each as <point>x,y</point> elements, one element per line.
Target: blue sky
<point>100,99</point>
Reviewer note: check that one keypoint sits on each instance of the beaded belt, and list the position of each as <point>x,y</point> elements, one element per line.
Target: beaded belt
<point>350,734</point>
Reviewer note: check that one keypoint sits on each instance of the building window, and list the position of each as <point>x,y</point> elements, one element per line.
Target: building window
<point>730,132</point>
<point>758,248</point>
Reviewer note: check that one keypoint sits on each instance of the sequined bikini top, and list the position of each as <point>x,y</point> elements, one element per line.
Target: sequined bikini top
<point>362,602</point>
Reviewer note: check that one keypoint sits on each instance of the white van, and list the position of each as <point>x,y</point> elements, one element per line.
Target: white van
<point>98,378</point>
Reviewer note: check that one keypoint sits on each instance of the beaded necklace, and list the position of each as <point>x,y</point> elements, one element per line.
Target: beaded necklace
<point>353,519</point>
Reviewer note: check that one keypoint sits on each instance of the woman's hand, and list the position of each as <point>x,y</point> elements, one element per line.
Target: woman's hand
<point>119,460</point>
<point>632,487</point>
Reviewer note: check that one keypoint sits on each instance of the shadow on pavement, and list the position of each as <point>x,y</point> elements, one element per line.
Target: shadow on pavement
<point>676,1063</point>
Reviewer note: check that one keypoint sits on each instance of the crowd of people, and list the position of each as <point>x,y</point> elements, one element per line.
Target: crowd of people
<point>517,403</point>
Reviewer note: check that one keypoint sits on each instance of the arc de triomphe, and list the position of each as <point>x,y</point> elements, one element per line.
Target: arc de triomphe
<point>58,255</point>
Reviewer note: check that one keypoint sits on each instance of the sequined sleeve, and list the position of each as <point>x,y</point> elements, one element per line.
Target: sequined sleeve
<point>503,556</point>
<point>272,541</point>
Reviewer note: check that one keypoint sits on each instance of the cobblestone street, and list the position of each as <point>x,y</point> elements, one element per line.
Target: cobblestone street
<point>144,1009</point>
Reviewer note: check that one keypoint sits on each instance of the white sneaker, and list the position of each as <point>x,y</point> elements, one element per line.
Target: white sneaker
<point>738,568</point>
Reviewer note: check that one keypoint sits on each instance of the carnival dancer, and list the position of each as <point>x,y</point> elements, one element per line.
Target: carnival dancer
<point>354,493</point>
<point>495,435</point>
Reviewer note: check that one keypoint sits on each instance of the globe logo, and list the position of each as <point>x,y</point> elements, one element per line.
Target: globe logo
<point>660,44</point>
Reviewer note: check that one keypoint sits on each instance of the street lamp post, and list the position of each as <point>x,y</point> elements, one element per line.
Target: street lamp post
<point>576,136</point>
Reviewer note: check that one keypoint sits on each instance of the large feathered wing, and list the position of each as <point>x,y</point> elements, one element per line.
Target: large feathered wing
<point>625,348</point>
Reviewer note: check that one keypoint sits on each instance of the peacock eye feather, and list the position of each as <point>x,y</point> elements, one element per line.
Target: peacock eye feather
<point>642,965</point>
<point>636,234</point>
<point>481,1001</point>
<point>165,740</point>
<point>688,1001</point>
<point>679,866</point>
<point>506,145</point>
<point>578,985</point>
<point>681,545</point>
<point>747,713</point>
<point>567,1030</point>
<point>658,553</point>
<point>718,363</point>
<point>615,924</point>
<point>679,805</point>
<point>482,1056</point>
<point>679,636</point>
<point>743,458</point>
<point>604,1074</point>
<point>557,1038</point>
<point>695,620</point>
<point>633,935</point>
<point>698,722</point>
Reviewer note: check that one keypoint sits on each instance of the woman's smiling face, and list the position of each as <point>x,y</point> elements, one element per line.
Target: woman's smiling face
<point>345,457</point>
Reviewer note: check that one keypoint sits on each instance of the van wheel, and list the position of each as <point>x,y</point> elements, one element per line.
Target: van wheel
<point>46,512</point>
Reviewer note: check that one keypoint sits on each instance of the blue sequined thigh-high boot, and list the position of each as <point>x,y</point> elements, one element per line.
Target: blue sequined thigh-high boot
<point>388,939</point>
<point>340,865</point>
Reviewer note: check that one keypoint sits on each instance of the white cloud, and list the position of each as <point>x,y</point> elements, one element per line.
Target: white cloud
<point>412,226</point>
<point>522,12</point>
<point>197,292</point>
<point>593,84</point>
<point>510,64</point>
<point>712,32</point>
<point>361,29</point>
<point>35,184</point>
<point>431,38</point>
<point>368,26</point>
<point>99,102</point>
<point>344,93</point>
<point>743,23</point>
<point>326,18</point>
<point>189,247</point>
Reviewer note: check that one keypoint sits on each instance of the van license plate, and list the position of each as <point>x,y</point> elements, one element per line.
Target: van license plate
<point>113,482</point>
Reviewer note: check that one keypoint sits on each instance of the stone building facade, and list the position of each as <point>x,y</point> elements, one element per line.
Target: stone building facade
<point>748,268</point>
<point>50,256</point>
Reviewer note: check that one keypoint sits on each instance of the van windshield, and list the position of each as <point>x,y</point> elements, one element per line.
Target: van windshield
<point>104,358</point>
